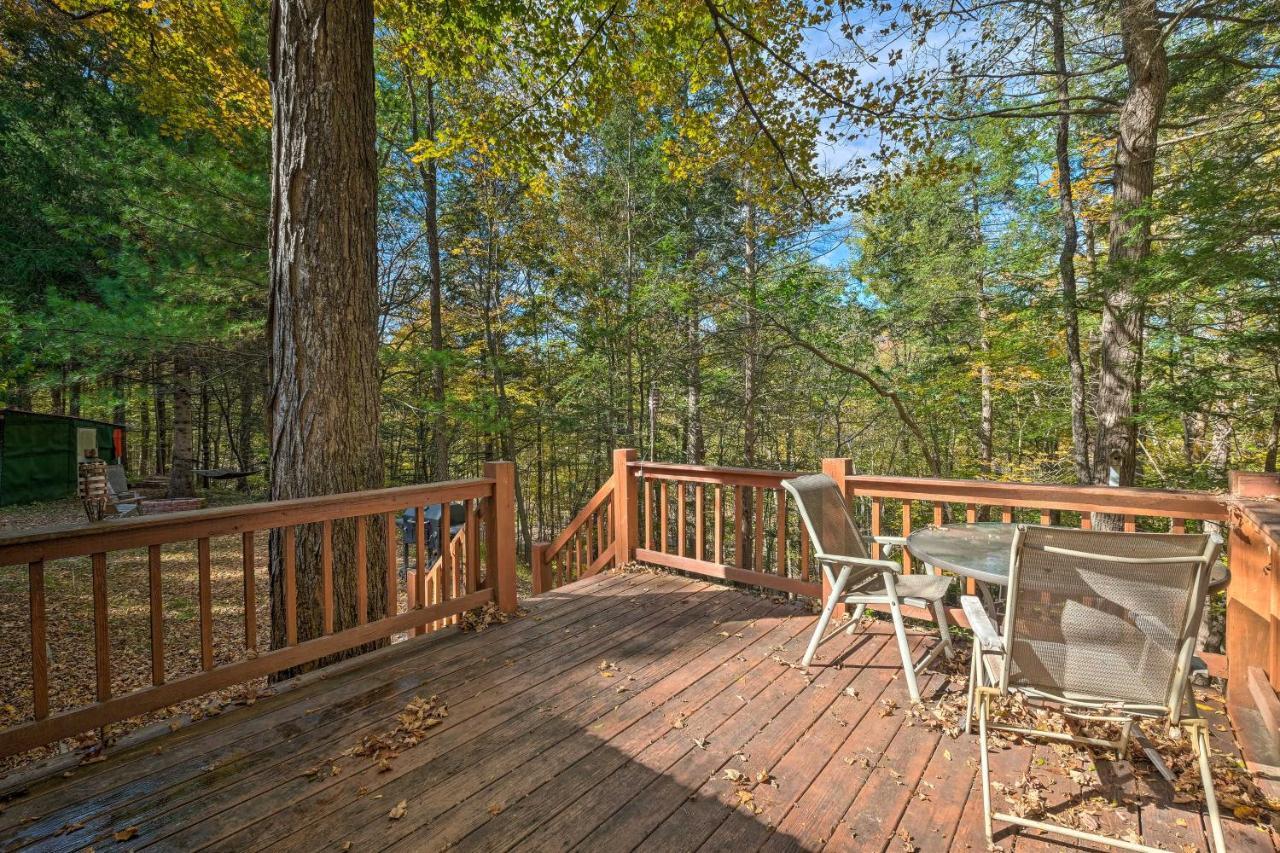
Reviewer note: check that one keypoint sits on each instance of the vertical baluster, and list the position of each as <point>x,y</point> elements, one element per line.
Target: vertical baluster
<point>680,526</point>
<point>1006,515</point>
<point>101,642</point>
<point>290,586</point>
<point>206,603</point>
<point>906,531</point>
<point>718,527</point>
<point>39,640</point>
<point>699,523</point>
<point>1177,525</point>
<point>419,596</point>
<point>600,541</point>
<point>1045,517</point>
<point>247,561</point>
<point>326,575</point>
<point>757,528</point>
<point>393,579</point>
<point>876,505</point>
<point>937,522</point>
<point>1086,521</point>
<point>648,514</point>
<point>362,570</point>
<point>157,614</point>
<point>1130,524</point>
<point>445,584</point>
<point>740,557</point>
<point>804,553</point>
<point>577,554</point>
<point>970,516</point>
<point>780,498</point>
<point>665,547</point>
<point>473,547</point>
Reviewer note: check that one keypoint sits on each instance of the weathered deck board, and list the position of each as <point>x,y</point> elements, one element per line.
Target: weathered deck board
<point>541,751</point>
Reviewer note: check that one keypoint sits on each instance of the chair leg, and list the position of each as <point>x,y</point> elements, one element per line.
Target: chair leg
<point>837,589</point>
<point>986,769</point>
<point>855,617</point>
<point>974,664</point>
<point>1206,779</point>
<point>940,613</point>
<point>908,666</point>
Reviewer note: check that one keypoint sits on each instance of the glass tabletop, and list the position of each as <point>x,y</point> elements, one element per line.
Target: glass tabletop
<point>980,551</point>
<point>983,551</point>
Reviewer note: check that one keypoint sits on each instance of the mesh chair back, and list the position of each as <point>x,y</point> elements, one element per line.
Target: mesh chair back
<point>116,479</point>
<point>826,517</point>
<point>1104,615</point>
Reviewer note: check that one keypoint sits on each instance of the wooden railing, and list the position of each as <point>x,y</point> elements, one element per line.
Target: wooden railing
<point>586,547</point>
<point>1253,625</point>
<point>898,505</point>
<point>462,581</point>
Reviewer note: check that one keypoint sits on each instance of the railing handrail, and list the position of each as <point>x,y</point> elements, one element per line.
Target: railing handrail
<point>602,494</point>
<point>1207,506</point>
<point>78,540</point>
<point>720,474</point>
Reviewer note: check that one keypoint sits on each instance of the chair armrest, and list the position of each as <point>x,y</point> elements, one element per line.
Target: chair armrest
<point>888,543</point>
<point>980,623</point>
<point>841,560</point>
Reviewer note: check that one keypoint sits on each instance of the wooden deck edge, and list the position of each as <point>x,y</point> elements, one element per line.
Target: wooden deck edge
<point>729,573</point>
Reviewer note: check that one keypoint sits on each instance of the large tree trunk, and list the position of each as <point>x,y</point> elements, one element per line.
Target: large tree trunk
<point>323,319</point>
<point>1129,245</point>
<point>180,485</point>
<point>119,415</point>
<point>429,175</point>
<point>1067,255</point>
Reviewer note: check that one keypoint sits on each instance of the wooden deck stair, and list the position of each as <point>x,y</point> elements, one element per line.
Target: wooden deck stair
<point>548,746</point>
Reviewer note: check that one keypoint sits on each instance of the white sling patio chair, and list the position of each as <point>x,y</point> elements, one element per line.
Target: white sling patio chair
<point>1102,627</point>
<point>837,546</point>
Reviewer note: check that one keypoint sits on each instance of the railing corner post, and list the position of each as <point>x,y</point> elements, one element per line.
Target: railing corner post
<point>538,567</point>
<point>837,468</point>
<point>625,506</point>
<point>501,568</point>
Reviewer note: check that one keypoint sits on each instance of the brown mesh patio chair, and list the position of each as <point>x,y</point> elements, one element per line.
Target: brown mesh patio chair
<point>1101,627</point>
<point>861,580</point>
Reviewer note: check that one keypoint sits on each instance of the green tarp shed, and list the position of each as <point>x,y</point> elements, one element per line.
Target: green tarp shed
<point>38,454</point>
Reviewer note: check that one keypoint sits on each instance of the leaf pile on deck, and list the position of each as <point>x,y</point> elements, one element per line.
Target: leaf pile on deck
<point>412,724</point>
<point>1237,793</point>
<point>480,618</point>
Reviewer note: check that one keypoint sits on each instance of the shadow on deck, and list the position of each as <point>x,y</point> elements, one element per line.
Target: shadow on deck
<point>604,720</point>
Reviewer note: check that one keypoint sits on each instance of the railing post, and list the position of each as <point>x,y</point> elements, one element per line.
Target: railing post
<point>837,468</point>
<point>626,507</point>
<point>501,569</point>
<point>538,568</point>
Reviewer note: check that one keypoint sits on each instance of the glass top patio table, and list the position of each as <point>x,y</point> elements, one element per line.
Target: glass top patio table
<point>983,551</point>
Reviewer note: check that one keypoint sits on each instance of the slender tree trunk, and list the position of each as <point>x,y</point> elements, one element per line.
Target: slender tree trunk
<point>244,426</point>
<point>162,420</point>
<point>206,440</point>
<point>1067,255</point>
<point>429,175</point>
<point>324,398</point>
<point>180,484</point>
<point>144,452</point>
<point>751,348</point>
<point>1129,246</point>
<point>119,414</point>
<point>986,404</point>
<point>76,388</point>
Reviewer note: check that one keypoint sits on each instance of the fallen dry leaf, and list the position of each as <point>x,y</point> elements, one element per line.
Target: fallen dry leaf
<point>398,810</point>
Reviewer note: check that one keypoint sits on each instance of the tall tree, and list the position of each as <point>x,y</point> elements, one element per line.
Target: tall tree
<point>323,319</point>
<point>1133,178</point>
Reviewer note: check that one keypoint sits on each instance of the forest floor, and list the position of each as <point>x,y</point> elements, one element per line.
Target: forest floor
<point>69,608</point>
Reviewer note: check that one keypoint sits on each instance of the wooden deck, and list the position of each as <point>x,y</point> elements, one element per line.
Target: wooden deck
<point>603,720</point>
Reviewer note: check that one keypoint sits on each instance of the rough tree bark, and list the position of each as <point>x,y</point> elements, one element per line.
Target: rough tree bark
<point>323,401</point>
<point>183,458</point>
<point>1129,245</point>
<point>1067,255</point>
